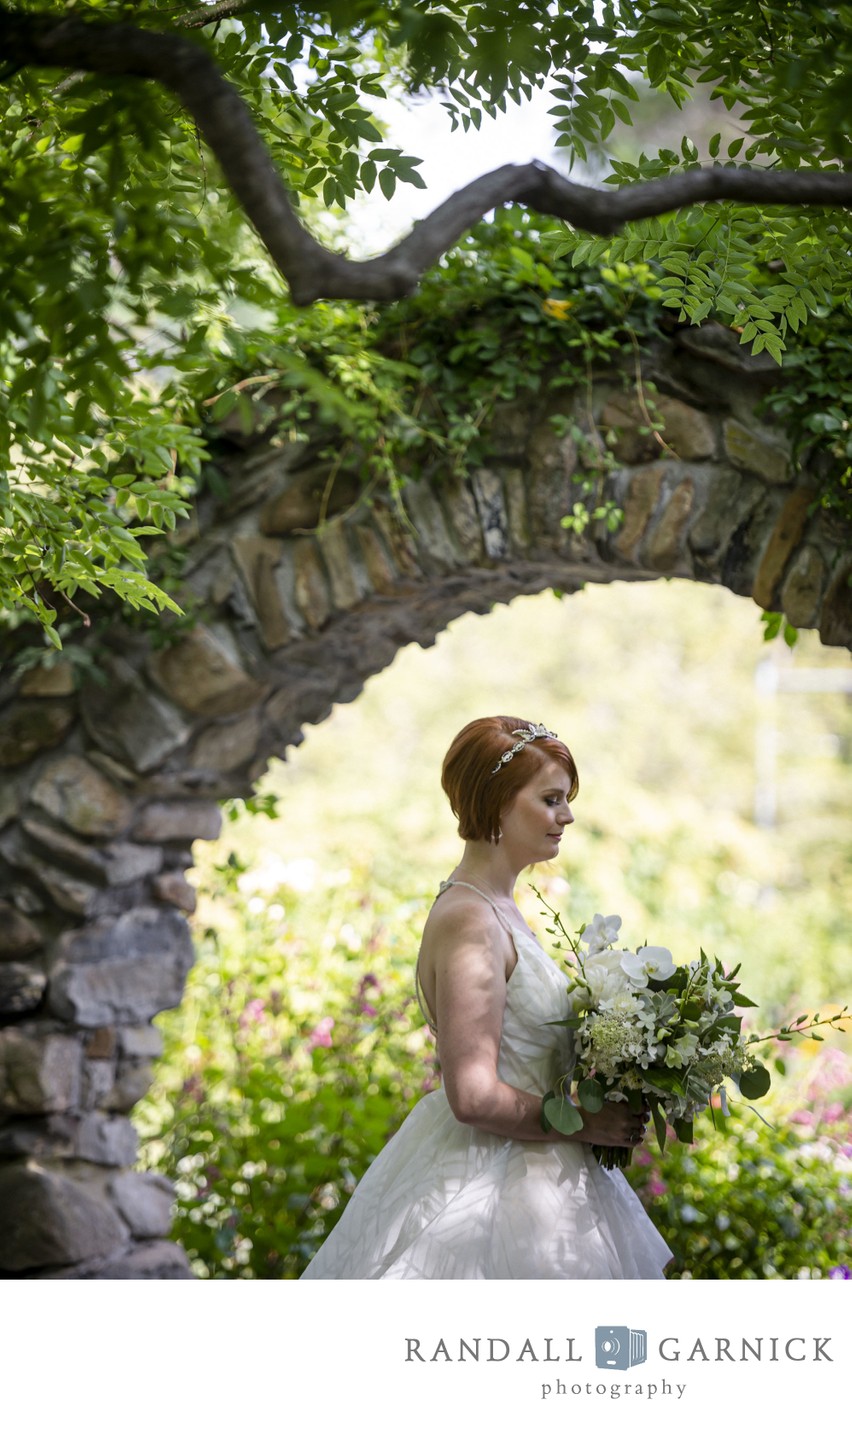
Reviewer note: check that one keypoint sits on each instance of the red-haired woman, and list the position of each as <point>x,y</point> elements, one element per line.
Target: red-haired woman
<point>472,1185</point>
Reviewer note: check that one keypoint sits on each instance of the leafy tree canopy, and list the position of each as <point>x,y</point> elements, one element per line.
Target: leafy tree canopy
<point>169,171</point>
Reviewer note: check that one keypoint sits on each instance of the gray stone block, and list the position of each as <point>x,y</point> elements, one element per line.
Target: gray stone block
<point>144,1201</point>
<point>180,822</point>
<point>107,1141</point>
<point>21,987</point>
<point>76,794</point>
<point>121,992</point>
<point>18,934</point>
<point>151,1261</point>
<point>121,970</point>
<point>133,1078</point>
<point>48,1219</point>
<point>142,1042</point>
<point>39,1072</point>
<point>130,722</point>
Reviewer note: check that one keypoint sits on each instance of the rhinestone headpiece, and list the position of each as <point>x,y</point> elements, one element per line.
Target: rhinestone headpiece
<point>524,736</point>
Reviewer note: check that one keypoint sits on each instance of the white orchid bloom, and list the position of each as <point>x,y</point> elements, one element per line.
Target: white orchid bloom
<point>600,933</point>
<point>610,958</point>
<point>648,963</point>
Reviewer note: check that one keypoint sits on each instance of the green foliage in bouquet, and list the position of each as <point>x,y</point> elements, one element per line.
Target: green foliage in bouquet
<point>761,1199</point>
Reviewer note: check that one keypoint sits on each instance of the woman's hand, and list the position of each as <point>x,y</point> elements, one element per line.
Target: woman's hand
<point>615,1126</point>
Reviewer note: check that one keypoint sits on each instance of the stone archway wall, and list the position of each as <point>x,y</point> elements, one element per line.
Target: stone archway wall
<point>104,788</point>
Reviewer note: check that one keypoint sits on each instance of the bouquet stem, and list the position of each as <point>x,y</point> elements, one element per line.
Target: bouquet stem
<point>610,1158</point>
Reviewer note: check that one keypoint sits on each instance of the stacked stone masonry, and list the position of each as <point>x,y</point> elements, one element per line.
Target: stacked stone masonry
<point>106,785</point>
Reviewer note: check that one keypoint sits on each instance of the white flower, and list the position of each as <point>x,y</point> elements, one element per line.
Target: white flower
<point>601,932</point>
<point>628,963</point>
<point>648,963</point>
<point>623,1004</point>
<point>603,980</point>
<point>610,958</point>
<point>679,1053</point>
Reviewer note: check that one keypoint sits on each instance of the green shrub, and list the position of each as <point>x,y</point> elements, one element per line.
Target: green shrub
<point>758,1201</point>
<point>277,1087</point>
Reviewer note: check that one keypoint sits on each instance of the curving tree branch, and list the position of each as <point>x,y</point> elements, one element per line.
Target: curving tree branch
<point>314,272</point>
<point>213,14</point>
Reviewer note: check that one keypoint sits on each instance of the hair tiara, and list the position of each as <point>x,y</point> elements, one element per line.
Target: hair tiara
<point>524,736</point>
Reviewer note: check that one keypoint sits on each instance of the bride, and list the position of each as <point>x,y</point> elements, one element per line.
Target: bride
<point>474,1185</point>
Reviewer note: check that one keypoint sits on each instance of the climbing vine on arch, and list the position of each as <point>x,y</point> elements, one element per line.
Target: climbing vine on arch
<point>127,264</point>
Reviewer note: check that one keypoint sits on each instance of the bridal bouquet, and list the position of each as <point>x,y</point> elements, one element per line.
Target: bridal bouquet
<point>649,1032</point>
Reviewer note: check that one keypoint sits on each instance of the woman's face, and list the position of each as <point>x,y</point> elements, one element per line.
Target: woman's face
<point>533,821</point>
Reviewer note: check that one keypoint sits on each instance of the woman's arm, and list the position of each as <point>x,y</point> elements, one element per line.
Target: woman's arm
<point>468,954</point>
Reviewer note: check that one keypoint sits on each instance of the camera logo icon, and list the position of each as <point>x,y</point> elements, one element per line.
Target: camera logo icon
<point>620,1347</point>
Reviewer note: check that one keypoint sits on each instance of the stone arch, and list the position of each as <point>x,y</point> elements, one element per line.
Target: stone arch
<point>105,786</point>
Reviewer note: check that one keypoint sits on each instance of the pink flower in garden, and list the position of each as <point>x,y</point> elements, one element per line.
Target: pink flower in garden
<point>321,1035</point>
<point>657,1187</point>
<point>830,1071</point>
<point>252,1012</point>
<point>803,1118</point>
<point>833,1112</point>
<point>642,1157</point>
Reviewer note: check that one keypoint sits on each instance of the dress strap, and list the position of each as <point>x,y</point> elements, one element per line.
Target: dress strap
<point>460,883</point>
<point>431,1022</point>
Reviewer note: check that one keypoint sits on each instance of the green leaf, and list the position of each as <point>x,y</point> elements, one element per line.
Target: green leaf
<point>658,64</point>
<point>659,1118</point>
<point>591,1095</point>
<point>665,15</point>
<point>561,1114</point>
<point>755,1082</point>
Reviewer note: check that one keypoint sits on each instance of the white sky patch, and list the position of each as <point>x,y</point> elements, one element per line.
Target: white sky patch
<point>451,159</point>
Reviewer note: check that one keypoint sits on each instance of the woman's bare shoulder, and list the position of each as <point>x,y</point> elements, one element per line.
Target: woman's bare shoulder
<point>460,906</point>
<point>460,918</point>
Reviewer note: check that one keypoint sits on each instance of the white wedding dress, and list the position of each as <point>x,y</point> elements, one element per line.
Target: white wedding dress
<point>446,1200</point>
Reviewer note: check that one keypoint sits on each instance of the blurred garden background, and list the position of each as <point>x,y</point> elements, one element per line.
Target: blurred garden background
<point>716,781</point>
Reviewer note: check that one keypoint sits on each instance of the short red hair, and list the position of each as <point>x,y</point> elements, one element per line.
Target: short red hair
<point>477,795</point>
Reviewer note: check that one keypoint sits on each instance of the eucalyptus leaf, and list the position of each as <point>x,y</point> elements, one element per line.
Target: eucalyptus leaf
<point>561,1114</point>
<point>755,1082</point>
<point>591,1095</point>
